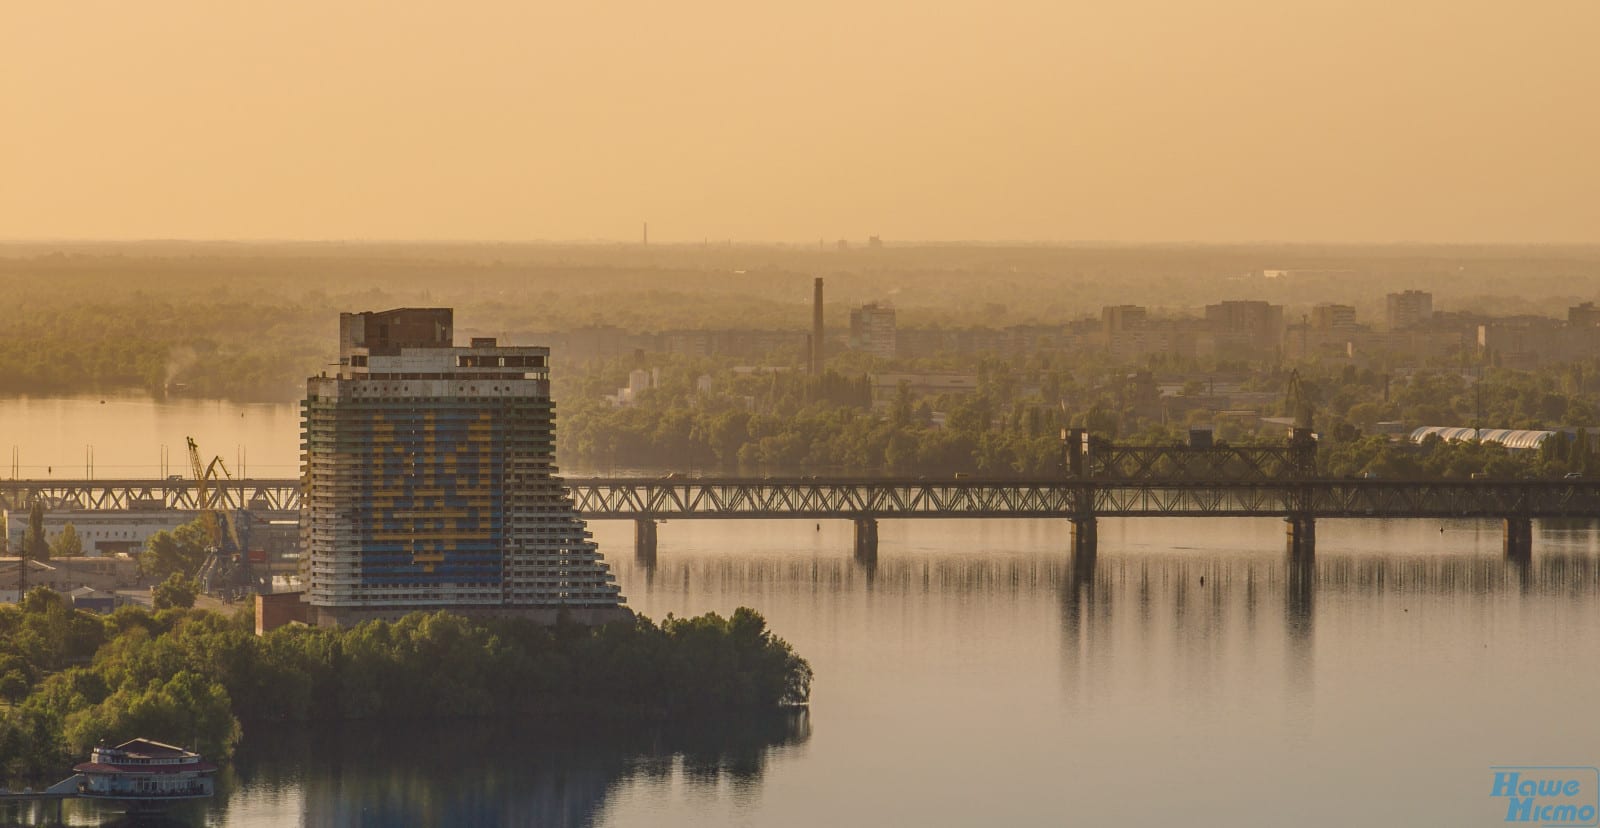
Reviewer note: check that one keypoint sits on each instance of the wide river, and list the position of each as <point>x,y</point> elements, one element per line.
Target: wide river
<point>974,676</point>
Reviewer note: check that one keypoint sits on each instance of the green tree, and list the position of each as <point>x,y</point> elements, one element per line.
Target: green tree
<point>178,590</point>
<point>182,550</point>
<point>13,686</point>
<point>42,600</point>
<point>185,675</point>
<point>188,704</point>
<point>904,406</point>
<point>67,544</point>
<point>33,543</point>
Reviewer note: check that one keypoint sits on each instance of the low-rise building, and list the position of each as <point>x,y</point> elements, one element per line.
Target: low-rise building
<point>104,574</point>
<point>101,531</point>
<point>94,600</point>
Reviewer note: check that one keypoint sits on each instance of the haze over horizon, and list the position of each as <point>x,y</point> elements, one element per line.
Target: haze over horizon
<point>950,120</point>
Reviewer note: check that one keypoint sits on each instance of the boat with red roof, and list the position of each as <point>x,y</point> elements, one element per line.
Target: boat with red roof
<point>141,770</point>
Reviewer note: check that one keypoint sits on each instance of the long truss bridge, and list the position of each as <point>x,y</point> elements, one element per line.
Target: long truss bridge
<point>867,500</point>
<point>633,498</point>
<point>1097,479</point>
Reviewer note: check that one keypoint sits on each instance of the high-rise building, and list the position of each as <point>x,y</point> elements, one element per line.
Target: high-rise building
<point>1115,319</point>
<point>1250,325</point>
<point>430,482</point>
<point>1585,315</point>
<point>872,330</point>
<point>1328,316</point>
<point>1409,309</point>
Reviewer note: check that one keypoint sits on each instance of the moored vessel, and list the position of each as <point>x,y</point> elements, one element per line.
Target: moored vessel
<point>142,771</point>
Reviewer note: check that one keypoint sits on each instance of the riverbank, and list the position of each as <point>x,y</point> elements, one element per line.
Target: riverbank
<point>195,674</point>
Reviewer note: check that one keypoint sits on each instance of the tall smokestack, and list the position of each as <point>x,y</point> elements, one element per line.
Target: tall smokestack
<point>816,330</point>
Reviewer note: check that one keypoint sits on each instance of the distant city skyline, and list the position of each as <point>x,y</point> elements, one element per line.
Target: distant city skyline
<point>954,120</point>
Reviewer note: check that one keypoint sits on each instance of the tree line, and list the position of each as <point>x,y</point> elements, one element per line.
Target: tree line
<point>202,679</point>
<point>1011,421</point>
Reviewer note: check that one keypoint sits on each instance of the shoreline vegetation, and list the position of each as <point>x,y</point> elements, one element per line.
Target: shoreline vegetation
<point>195,677</point>
<point>248,322</point>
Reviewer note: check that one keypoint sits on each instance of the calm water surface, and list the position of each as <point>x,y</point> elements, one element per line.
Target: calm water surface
<point>974,676</point>
<point>123,436</point>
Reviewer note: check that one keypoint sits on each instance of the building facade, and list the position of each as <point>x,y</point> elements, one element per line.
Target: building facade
<point>1328,316</point>
<point>64,575</point>
<point>1408,309</point>
<point>430,481</point>
<point>1246,327</point>
<point>872,330</point>
<point>1115,319</point>
<point>102,532</point>
<point>1585,315</point>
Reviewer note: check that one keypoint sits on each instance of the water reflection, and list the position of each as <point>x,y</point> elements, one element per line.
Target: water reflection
<point>1244,577</point>
<point>1200,612</point>
<point>1193,621</point>
<point>1299,605</point>
<point>493,773</point>
<point>1201,651</point>
<point>457,773</point>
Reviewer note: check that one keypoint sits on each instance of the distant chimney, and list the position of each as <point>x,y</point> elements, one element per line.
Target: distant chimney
<point>816,330</point>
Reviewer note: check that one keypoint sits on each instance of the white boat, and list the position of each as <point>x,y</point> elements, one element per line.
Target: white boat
<point>141,770</point>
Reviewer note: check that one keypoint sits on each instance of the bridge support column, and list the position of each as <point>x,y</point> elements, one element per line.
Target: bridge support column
<point>644,541</point>
<point>1085,538</point>
<point>1519,538</point>
<point>1085,549</point>
<point>866,539</point>
<point>1301,532</point>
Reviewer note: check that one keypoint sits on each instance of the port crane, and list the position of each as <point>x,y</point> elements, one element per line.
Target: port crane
<point>227,565</point>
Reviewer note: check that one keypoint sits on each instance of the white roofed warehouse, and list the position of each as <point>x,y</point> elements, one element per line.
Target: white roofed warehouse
<point>1512,438</point>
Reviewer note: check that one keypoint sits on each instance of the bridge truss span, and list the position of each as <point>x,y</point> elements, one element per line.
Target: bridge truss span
<point>263,495</point>
<point>638,498</point>
<point>601,498</point>
<point>633,498</point>
<point>1082,501</point>
<point>733,498</point>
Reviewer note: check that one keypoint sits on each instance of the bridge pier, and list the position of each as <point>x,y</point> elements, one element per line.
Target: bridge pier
<point>1085,537</point>
<point>644,541</point>
<point>1083,563</point>
<point>866,549</point>
<point>1519,538</point>
<point>1301,532</point>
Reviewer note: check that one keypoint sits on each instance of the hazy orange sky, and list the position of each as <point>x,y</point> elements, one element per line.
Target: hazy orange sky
<point>1223,120</point>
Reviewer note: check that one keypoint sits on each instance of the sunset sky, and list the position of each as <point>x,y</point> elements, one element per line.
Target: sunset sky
<point>1228,120</point>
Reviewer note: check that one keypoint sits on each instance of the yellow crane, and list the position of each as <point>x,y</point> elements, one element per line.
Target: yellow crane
<point>208,494</point>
